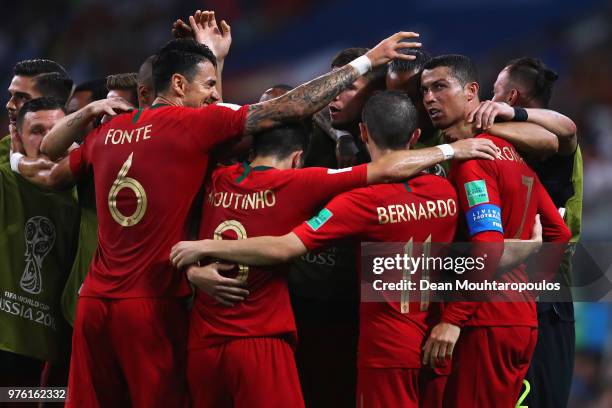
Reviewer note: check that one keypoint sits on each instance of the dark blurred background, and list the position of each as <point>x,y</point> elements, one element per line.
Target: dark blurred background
<point>291,41</point>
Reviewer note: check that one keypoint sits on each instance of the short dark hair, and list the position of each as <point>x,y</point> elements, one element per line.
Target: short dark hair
<point>391,119</point>
<point>127,82</point>
<point>54,85</point>
<point>280,141</point>
<point>399,65</point>
<point>533,74</point>
<point>51,79</point>
<point>39,104</point>
<point>347,55</point>
<point>35,67</point>
<point>145,72</point>
<point>97,87</point>
<point>179,56</point>
<point>461,67</point>
<point>376,75</point>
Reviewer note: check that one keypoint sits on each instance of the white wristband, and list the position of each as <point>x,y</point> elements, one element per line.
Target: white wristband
<point>447,151</point>
<point>15,159</point>
<point>361,64</point>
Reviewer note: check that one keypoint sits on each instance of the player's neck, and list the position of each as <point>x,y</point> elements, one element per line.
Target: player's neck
<point>270,161</point>
<point>460,130</point>
<point>377,154</point>
<point>167,100</point>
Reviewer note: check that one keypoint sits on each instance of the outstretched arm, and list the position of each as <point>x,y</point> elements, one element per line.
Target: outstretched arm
<point>562,126</point>
<point>73,127</point>
<point>403,164</point>
<point>312,96</point>
<point>263,250</point>
<point>527,137</point>
<point>45,173</point>
<point>559,125</point>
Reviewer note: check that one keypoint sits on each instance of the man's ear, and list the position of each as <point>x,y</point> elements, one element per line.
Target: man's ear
<point>297,159</point>
<point>471,90</point>
<point>179,84</point>
<point>513,97</point>
<point>414,138</point>
<point>363,133</point>
<point>16,141</point>
<point>143,93</point>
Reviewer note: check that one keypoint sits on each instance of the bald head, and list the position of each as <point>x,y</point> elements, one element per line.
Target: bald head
<point>275,92</point>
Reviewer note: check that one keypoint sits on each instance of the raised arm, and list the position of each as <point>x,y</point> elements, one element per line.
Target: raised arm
<point>204,29</point>
<point>73,127</point>
<point>263,250</point>
<point>312,96</point>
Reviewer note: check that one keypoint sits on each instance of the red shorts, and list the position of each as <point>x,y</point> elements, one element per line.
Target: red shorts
<point>489,364</point>
<point>399,387</point>
<point>244,373</point>
<point>128,352</point>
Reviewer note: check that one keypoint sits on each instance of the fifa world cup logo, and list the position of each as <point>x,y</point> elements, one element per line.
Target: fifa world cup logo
<point>39,237</point>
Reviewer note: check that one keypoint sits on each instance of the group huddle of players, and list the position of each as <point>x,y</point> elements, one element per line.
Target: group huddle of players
<point>211,270</point>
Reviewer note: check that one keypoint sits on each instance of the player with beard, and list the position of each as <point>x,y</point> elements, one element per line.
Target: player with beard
<point>130,277</point>
<point>32,79</point>
<point>497,338</point>
<point>522,92</point>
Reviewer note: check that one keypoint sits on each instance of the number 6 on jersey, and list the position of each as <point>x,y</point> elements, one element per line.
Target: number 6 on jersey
<point>119,184</point>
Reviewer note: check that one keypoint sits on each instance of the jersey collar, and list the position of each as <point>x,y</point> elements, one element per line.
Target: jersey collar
<point>247,169</point>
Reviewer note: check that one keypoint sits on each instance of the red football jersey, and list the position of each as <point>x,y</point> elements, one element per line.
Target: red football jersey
<point>389,337</point>
<point>243,201</point>
<point>148,166</point>
<point>500,199</point>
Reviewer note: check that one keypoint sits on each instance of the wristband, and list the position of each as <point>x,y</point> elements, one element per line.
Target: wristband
<point>361,64</point>
<point>15,159</point>
<point>447,150</point>
<point>520,115</point>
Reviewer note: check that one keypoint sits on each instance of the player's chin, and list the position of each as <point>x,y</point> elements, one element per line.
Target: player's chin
<point>439,122</point>
<point>340,123</point>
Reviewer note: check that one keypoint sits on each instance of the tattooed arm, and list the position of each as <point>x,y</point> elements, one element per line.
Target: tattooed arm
<point>74,126</point>
<point>313,96</point>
